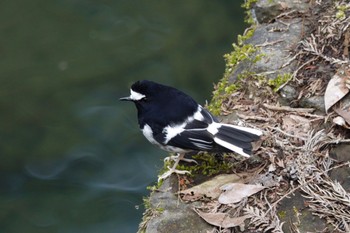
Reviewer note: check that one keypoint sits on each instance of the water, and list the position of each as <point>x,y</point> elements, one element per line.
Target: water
<point>72,156</point>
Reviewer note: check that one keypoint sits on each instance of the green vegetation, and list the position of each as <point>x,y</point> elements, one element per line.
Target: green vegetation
<point>278,81</point>
<point>150,212</point>
<point>282,214</point>
<point>241,52</point>
<point>341,11</point>
<point>208,165</point>
<point>248,5</point>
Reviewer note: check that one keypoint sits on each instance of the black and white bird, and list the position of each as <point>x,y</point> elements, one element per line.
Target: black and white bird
<point>175,122</point>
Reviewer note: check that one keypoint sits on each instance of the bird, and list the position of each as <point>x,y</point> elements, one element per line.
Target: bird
<point>175,122</point>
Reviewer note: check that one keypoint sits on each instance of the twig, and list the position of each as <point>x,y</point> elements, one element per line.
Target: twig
<point>269,43</point>
<point>290,60</point>
<point>285,14</point>
<point>287,134</point>
<point>288,109</point>
<point>337,141</point>
<point>252,117</point>
<point>302,66</point>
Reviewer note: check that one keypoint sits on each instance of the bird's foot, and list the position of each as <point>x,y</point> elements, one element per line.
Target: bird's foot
<point>171,171</point>
<point>176,157</point>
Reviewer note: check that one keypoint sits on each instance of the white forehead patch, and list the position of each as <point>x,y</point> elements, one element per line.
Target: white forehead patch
<point>135,95</point>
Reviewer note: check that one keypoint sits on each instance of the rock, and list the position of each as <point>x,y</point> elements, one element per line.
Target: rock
<point>272,39</point>
<point>342,154</point>
<point>267,10</point>
<point>316,102</point>
<point>175,216</point>
<point>294,213</point>
<point>288,93</point>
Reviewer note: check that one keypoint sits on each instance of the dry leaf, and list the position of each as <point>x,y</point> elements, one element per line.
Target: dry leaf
<point>210,188</point>
<point>235,192</point>
<point>336,88</point>
<point>344,113</point>
<point>221,219</point>
<point>339,121</point>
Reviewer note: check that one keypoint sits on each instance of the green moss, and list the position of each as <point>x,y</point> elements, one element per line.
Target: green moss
<point>146,202</point>
<point>150,212</point>
<point>222,90</point>
<point>248,5</point>
<point>279,80</point>
<point>241,52</point>
<point>296,211</point>
<point>341,11</point>
<point>282,214</point>
<point>208,165</point>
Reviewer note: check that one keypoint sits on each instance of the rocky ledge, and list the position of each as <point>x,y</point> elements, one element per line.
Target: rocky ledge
<point>289,76</point>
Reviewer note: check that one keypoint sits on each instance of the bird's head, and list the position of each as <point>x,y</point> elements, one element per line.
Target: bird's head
<point>160,103</point>
<point>139,91</point>
<point>142,93</point>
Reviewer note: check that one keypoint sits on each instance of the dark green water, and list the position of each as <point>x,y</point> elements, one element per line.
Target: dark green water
<point>72,157</point>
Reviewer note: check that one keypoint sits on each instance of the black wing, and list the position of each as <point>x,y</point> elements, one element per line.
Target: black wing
<point>198,140</point>
<point>195,135</point>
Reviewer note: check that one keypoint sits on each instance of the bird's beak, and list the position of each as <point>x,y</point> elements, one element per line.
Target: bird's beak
<point>125,99</point>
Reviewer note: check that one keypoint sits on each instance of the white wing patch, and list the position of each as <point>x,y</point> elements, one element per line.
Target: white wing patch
<point>172,131</point>
<point>213,128</point>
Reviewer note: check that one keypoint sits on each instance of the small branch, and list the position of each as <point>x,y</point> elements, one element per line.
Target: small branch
<point>290,60</point>
<point>337,141</point>
<point>287,134</point>
<point>269,43</point>
<point>245,117</point>
<point>288,109</point>
<point>302,66</point>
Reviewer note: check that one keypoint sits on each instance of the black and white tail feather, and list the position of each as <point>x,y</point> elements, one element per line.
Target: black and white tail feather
<point>203,132</point>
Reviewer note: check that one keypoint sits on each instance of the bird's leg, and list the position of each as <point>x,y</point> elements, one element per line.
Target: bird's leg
<point>175,158</point>
<point>173,169</point>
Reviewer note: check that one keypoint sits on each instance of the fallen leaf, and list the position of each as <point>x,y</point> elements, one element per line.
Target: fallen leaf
<point>235,192</point>
<point>344,113</point>
<point>336,88</point>
<point>210,188</point>
<point>221,219</point>
<point>339,121</point>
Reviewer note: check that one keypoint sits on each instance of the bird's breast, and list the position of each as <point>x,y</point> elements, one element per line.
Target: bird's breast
<point>148,133</point>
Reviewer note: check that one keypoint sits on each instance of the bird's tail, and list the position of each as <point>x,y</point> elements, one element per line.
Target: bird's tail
<point>236,138</point>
